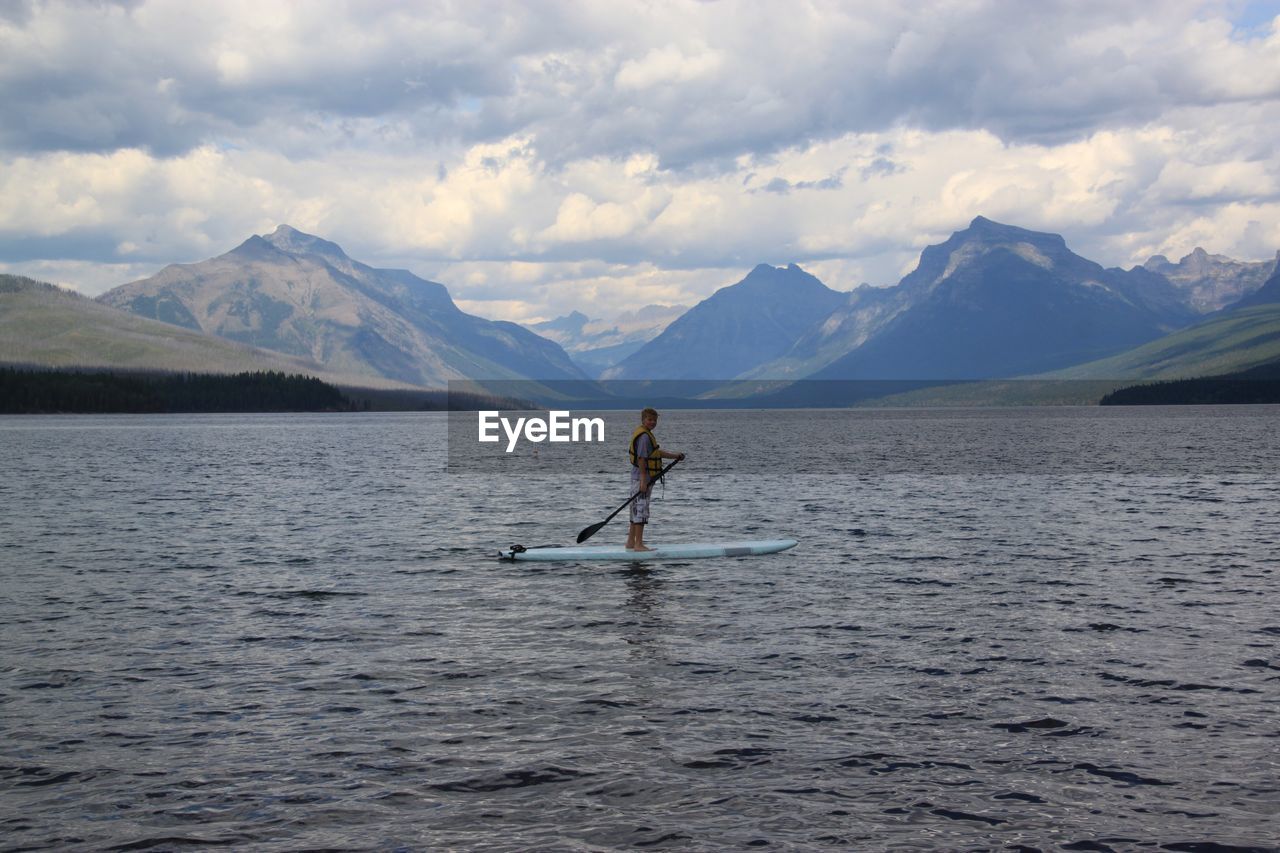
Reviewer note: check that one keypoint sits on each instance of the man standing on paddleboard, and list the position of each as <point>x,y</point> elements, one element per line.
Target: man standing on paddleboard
<point>646,463</point>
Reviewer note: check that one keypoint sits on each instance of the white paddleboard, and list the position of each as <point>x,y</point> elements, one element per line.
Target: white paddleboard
<point>684,551</point>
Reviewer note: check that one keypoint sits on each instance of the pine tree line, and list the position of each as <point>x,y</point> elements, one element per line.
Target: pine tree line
<point>43,391</point>
<point>1190,392</point>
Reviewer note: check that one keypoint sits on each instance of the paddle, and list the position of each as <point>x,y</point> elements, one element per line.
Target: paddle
<point>588,532</point>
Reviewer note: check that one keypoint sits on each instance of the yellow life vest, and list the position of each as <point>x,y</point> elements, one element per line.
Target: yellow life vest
<point>654,462</point>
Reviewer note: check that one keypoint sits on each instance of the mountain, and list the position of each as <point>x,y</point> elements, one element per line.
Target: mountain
<point>302,295</point>
<point>994,300</point>
<point>1211,282</point>
<point>1268,294</point>
<point>1237,345</point>
<point>736,329</point>
<point>863,313</point>
<point>596,345</point>
<point>564,329</point>
<point>44,325</point>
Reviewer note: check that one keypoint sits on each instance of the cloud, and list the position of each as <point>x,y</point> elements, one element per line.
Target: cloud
<point>690,82</point>
<point>669,65</point>
<point>621,154</point>
<point>168,76</point>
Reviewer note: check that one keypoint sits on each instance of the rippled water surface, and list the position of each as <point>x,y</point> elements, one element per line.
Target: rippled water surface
<point>1052,629</point>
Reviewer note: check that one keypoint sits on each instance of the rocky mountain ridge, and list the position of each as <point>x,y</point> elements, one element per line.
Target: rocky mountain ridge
<point>999,300</point>
<point>302,295</point>
<point>1212,282</point>
<point>42,325</point>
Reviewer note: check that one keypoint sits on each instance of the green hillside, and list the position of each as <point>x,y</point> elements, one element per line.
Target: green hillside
<point>1002,392</point>
<point>1229,343</point>
<point>44,325</point>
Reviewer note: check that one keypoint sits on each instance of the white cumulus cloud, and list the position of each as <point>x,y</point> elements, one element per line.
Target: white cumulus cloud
<point>541,157</point>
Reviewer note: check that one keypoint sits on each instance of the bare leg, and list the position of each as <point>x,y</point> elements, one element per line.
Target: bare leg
<point>635,540</point>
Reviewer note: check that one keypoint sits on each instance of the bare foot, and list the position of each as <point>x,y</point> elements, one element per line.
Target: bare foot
<point>639,548</point>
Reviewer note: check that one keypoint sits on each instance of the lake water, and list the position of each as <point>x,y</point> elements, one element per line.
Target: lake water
<point>1004,629</point>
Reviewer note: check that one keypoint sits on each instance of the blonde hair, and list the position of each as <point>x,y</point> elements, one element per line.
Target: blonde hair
<point>646,411</point>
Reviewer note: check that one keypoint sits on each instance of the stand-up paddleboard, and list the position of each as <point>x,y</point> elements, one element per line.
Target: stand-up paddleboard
<point>686,551</point>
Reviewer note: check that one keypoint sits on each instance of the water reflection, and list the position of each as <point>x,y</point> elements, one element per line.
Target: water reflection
<point>645,626</point>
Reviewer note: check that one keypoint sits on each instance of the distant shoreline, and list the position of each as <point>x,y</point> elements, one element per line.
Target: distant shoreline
<point>30,389</point>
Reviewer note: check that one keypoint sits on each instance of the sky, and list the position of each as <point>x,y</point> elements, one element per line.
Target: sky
<point>538,158</point>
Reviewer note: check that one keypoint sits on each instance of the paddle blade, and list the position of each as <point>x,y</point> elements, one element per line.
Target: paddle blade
<point>588,532</point>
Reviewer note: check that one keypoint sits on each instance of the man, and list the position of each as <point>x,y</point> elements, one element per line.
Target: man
<point>646,463</point>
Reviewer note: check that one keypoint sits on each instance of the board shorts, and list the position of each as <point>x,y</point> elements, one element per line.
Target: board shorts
<point>639,506</point>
